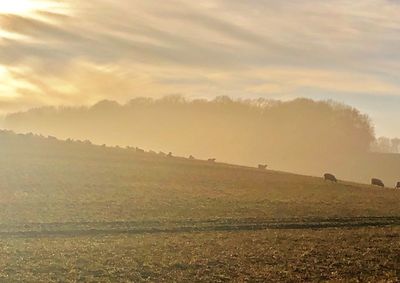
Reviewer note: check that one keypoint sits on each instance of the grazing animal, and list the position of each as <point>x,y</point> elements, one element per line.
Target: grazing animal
<point>212,160</point>
<point>377,182</point>
<point>169,154</point>
<point>398,185</point>
<point>330,177</point>
<point>191,157</point>
<point>262,166</point>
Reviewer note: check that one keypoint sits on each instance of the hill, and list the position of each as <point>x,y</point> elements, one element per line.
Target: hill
<point>48,180</point>
<point>72,211</point>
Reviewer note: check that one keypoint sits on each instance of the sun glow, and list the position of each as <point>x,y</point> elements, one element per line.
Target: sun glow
<point>6,88</point>
<point>21,6</point>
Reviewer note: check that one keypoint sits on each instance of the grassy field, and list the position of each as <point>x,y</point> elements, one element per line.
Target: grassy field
<point>357,255</point>
<point>74,211</point>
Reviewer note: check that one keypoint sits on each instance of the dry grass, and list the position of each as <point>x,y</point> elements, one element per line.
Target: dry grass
<point>135,188</point>
<point>364,254</point>
<point>115,186</point>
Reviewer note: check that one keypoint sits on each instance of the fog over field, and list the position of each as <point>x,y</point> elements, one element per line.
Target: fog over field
<point>73,211</point>
<point>303,136</point>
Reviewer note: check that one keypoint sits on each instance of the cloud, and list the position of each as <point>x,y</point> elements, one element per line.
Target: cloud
<point>123,49</point>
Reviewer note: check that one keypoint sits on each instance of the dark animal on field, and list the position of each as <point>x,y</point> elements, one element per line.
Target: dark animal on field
<point>169,154</point>
<point>262,166</point>
<point>191,157</point>
<point>212,160</point>
<point>377,182</point>
<point>330,177</point>
<point>139,150</point>
<point>397,185</point>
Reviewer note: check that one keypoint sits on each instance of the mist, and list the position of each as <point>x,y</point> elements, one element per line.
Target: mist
<point>302,136</point>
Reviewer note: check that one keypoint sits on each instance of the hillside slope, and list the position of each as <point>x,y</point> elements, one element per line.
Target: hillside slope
<point>44,180</point>
<point>303,136</point>
<point>73,211</point>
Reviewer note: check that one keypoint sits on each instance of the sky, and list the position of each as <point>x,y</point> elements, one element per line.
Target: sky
<point>73,52</point>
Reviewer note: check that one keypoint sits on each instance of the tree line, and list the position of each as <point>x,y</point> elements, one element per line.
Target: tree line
<point>301,135</point>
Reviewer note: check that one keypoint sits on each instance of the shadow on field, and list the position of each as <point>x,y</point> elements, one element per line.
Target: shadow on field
<point>72,229</point>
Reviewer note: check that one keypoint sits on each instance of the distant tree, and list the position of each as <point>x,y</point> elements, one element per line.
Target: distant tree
<point>396,145</point>
<point>386,145</point>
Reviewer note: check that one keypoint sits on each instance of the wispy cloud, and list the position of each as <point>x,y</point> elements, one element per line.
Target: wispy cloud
<point>119,49</point>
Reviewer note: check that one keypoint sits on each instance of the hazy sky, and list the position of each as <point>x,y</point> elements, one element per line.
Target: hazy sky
<point>78,52</point>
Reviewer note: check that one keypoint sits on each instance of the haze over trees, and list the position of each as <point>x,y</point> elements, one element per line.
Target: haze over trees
<point>301,135</point>
<point>386,145</point>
